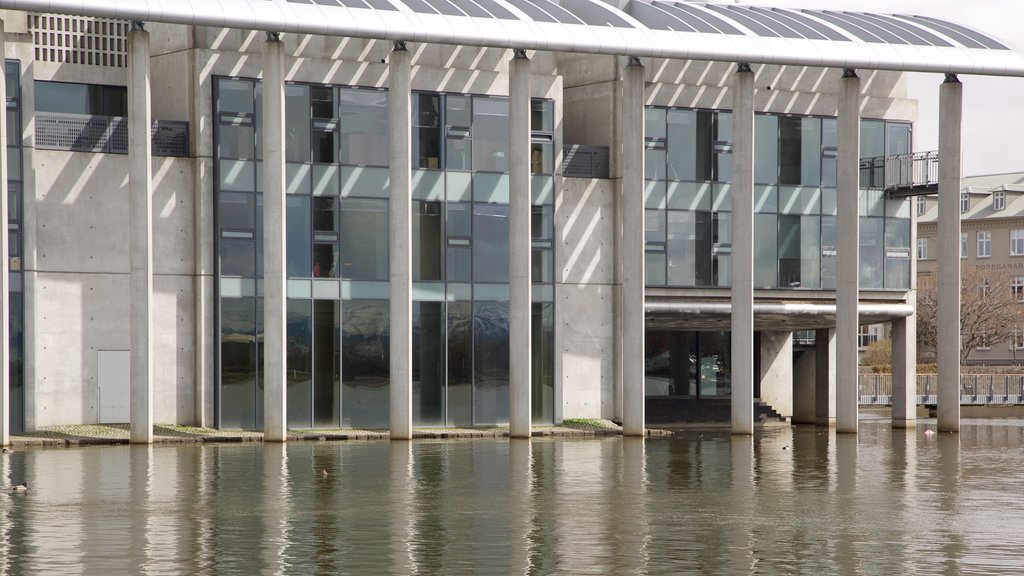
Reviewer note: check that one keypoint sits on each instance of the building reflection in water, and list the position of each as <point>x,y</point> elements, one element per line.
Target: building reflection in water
<point>787,500</point>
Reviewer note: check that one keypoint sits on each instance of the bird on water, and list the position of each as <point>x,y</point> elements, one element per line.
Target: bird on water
<point>23,487</point>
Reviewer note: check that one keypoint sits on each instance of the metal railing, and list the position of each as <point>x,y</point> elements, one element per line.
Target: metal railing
<point>901,173</point>
<point>105,134</point>
<point>876,389</point>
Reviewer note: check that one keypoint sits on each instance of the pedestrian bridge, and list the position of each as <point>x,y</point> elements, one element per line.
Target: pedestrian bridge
<point>975,389</point>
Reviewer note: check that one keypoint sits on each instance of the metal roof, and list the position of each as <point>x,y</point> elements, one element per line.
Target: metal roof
<point>643,28</point>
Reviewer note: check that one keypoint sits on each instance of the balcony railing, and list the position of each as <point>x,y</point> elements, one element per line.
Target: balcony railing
<point>974,389</point>
<point>903,174</point>
<point>105,134</point>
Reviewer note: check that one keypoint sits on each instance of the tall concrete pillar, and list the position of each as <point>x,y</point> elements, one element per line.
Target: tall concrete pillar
<point>5,308</point>
<point>520,244</point>
<point>632,251</point>
<point>400,240</point>
<point>904,372</point>
<point>140,236</point>
<point>825,377</point>
<point>848,256</point>
<point>275,390</point>
<point>777,371</point>
<point>948,315</point>
<point>742,322</point>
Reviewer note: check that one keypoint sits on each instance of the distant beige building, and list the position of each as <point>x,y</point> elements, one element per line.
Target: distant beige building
<point>991,238</point>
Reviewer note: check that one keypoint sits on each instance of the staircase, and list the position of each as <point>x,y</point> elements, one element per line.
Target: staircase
<point>669,410</point>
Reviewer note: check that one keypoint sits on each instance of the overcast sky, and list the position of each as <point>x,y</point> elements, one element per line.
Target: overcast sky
<point>993,129</point>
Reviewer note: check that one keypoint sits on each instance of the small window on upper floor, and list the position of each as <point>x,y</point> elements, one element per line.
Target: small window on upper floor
<point>999,201</point>
<point>965,203</point>
<point>922,248</point>
<point>922,206</point>
<point>92,99</point>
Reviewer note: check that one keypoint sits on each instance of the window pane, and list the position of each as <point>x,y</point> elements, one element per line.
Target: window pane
<point>871,253</point>
<point>828,252</point>
<point>236,141</point>
<point>490,134</point>
<point>325,217</point>
<point>542,158</point>
<point>326,363</point>
<point>237,211</point>
<point>233,96</point>
<point>364,127</point>
<point>364,227</point>
<point>490,362</point>
<point>721,258</point>
<point>722,150</point>
<point>799,151</point>
<point>364,363</point>
<point>765,251</point>
<point>300,363</point>
<point>490,243</point>
<point>542,115</point>
<point>460,363</point>
<point>299,243</point>
<point>238,363</point>
<point>766,149</point>
<point>65,97</point>
<point>428,241</point>
<point>426,121</point>
<point>428,363</point>
<point>296,102</point>
<point>237,258</point>
<point>542,341</point>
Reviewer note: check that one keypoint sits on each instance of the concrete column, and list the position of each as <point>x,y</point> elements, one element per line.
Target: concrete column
<point>777,371</point>
<point>804,377</point>
<point>5,308</point>
<point>848,255</point>
<point>742,321</point>
<point>904,372</point>
<point>632,252</point>
<point>140,236</point>
<point>825,377</point>
<point>275,390</point>
<point>948,345</point>
<point>400,240</point>
<point>520,244</point>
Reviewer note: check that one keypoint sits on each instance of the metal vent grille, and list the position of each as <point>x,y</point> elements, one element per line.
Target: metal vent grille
<point>105,134</point>
<point>79,40</point>
<point>582,161</point>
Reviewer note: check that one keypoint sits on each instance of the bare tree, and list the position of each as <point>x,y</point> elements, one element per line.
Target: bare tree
<point>990,312</point>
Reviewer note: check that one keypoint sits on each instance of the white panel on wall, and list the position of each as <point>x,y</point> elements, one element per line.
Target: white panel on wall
<point>114,378</point>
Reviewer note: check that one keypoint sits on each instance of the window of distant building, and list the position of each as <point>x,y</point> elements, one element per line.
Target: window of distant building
<point>1017,287</point>
<point>963,244</point>
<point>922,248</point>
<point>1017,340</point>
<point>999,201</point>
<point>921,205</point>
<point>965,203</point>
<point>984,244</point>
<point>1016,242</point>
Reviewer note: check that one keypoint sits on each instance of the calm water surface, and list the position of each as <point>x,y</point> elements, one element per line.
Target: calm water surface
<point>785,501</point>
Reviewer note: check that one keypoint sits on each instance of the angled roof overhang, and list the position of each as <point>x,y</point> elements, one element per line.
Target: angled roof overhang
<point>642,28</point>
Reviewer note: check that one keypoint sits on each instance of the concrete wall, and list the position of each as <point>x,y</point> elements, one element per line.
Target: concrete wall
<point>584,261</point>
<point>78,287</point>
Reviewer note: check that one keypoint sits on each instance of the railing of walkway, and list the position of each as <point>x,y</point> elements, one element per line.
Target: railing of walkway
<point>876,389</point>
<point>901,172</point>
<point>105,134</point>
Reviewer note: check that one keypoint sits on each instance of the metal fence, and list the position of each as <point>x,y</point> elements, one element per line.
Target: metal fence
<point>876,389</point>
<point>901,172</point>
<point>105,134</point>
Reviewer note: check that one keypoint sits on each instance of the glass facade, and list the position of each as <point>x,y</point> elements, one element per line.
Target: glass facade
<point>337,256</point>
<point>16,295</point>
<point>689,364</point>
<point>688,220</point>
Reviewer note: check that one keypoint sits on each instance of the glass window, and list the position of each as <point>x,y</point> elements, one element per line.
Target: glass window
<point>428,241</point>
<point>654,143</point>
<point>326,363</point>
<point>984,244</point>
<point>426,121</point>
<point>897,253</point>
<point>363,119</point>
<point>298,244</point>
<point>922,248</point>
<point>723,147</point>
<point>238,363</point>
<point>721,249</point>
<point>428,365</point>
<point>1017,242</point>
<point>365,363</point>
<point>765,251</point>
<point>1017,287</point>
<point>799,251</point>
<point>542,341</point>
<point>296,103</point>
<point>689,145</point>
<point>490,362</point>
<point>300,363</point>
<point>689,246</point>
<point>872,145</point>
<point>872,253</point>
<point>898,136</point>
<point>921,204</point>
<point>828,252</point>
<point>237,211</point>
<point>490,243</point>
<point>799,151</point>
<point>965,203</point>
<point>460,363</point>
<point>364,246</point>
<point>963,244</point>
<point>490,134</point>
<point>829,152</point>
<point>999,201</point>
<point>68,98</point>
<point>766,149</point>
<point>458,133</point>
<point>237,258</point>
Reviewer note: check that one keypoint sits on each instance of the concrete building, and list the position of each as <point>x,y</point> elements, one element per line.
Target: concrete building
<point>991,240</point>
<point>275,214</point>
